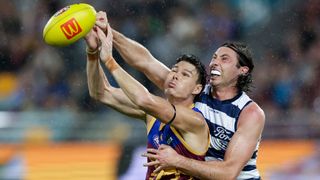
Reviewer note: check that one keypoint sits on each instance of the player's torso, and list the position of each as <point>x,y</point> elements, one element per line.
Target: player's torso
<point>222,118</point>
<point>160,133</point>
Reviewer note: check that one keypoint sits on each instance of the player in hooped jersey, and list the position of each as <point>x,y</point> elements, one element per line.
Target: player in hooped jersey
<point>174,122</point>
<point>235,121</point>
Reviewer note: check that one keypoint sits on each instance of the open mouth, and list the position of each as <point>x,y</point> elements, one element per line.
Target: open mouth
<point>215,73</point>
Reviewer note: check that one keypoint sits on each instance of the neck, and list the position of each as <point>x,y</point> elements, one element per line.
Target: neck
<point>179,101</point>
<point>224,93</point>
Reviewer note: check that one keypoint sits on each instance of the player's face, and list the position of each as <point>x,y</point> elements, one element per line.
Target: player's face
<point>224,69</point>
<point>181,82</point>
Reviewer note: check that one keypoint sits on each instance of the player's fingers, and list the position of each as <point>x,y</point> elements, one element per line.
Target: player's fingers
<point>150,150</point>
<point>158,169</point>
<point>100,14</point>
<point>104,15</point>
<point>101,35</point>
<point>109,34</point>
<point>151,163</point>
<point>163,146</point>
<point>101,24</point>
<point>149,155</point>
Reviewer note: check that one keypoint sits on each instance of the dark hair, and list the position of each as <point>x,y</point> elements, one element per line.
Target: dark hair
<point>244,59</point>
<point>201,69</point>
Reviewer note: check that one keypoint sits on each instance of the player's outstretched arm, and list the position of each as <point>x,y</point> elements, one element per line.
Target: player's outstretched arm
<point>185,120</point>
<point>139,95</point>
<point>239,151</point>
<point>99,87</point>
<point>140,58</point>
<point>101,90</point>
<point>135,54</point>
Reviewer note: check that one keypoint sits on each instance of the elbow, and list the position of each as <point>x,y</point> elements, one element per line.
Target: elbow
<point>228,171</point>
<point>232,173</point>
<point>94,95</point>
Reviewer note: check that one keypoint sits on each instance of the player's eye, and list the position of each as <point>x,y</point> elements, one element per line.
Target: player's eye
<point>224,59</point>
<point>186,74</point>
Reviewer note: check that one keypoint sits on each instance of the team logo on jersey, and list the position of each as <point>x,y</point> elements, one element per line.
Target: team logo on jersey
<point>156,140</point>
<point>221,138</point>
<point>169,141</point>
<point>222,133</point>
<point>71,28</point>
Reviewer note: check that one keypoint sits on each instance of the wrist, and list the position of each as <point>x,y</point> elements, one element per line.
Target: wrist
<point>92,51</point>
<point>179,162</point>
<point>92,54</point>
<point>111,64</point>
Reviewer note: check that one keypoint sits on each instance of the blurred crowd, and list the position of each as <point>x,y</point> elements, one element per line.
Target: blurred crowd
<point>35,76</point>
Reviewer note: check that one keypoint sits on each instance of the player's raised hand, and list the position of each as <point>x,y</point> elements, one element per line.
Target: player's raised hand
<point>106,44</point>
<point>102,21</point>
<point>92,40</point>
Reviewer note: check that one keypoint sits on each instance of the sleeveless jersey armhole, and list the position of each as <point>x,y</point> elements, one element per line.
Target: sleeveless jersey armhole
<point>150,124</point>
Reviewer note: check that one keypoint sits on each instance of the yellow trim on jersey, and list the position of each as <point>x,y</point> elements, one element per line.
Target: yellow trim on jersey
<point>167,172</point>
<point>150,124</point>
<point>186,145</point>
<point>153,119</point>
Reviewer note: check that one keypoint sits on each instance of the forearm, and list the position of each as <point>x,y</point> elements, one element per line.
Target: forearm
<point>95,76</point>
<point>206,169</point>
<point>121,103</point>
<point>101,90</point>
<point>131,51</point>
<point>140,58</point>
<point>131,87</point>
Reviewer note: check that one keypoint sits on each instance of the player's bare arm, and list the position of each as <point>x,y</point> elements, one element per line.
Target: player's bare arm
<point>191,123</point>
<point>101,90</point>
<point>239,151</point>
<point>140,58</point>
<point>99,87</point>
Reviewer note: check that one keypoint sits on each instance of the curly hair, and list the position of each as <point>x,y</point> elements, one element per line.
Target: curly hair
<point>244,55</point>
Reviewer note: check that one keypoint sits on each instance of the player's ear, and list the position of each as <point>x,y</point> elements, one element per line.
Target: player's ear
<point>244,70</point>
<point>197,89</point>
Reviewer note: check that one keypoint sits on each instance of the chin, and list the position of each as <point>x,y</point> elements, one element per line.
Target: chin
<point>214,83</point>
<point>168,92</point>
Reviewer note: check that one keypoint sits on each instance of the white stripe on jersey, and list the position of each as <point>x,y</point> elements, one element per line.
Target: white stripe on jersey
<point>222,118</point>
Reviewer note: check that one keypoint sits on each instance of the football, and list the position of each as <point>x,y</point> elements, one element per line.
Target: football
<point>69,24</point>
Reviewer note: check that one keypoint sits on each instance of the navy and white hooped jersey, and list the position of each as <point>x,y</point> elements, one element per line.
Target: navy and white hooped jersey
<point>222,118</point>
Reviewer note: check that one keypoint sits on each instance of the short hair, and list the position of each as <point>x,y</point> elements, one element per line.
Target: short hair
<point>200,67</point>
<point>244,57</point>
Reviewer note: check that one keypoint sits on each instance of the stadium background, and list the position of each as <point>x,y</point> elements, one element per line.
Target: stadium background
<point>51,129</point>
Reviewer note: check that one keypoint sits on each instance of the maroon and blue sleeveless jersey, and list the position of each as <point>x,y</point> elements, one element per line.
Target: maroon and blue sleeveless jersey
<point>161,133</point>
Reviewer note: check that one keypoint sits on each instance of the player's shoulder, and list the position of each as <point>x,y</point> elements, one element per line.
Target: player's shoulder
<point>253,112</point>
